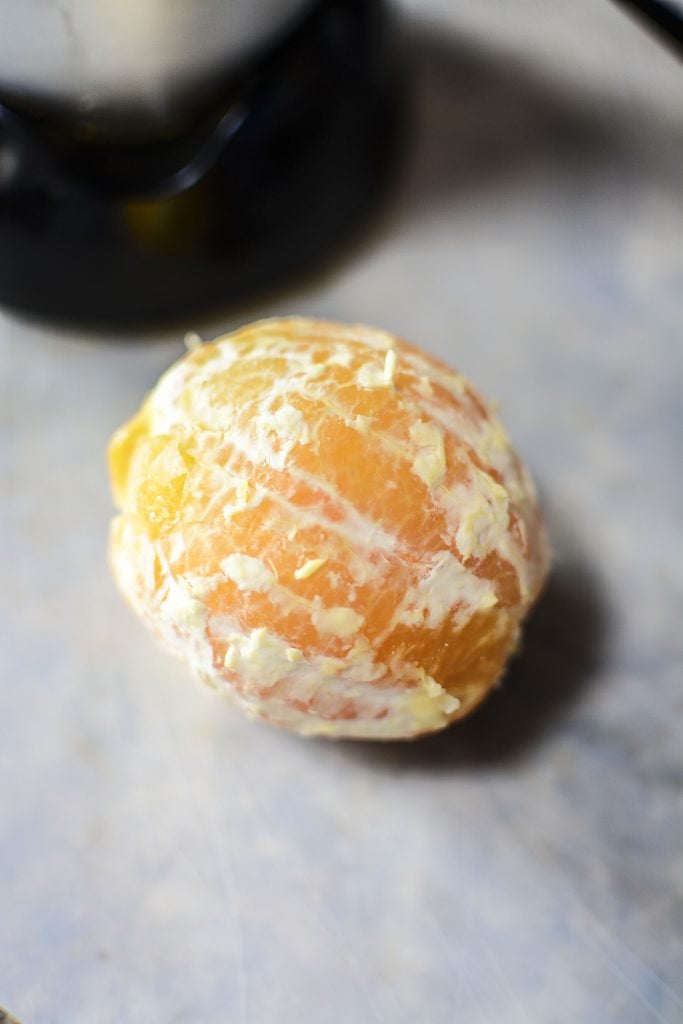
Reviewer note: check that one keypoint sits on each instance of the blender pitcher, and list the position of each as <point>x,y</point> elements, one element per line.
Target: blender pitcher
<point>160,158</point>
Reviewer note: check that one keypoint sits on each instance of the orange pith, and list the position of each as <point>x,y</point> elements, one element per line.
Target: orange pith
<point>309,487</point>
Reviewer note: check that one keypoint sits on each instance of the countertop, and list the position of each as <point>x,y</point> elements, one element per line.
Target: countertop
<point>161,859</point>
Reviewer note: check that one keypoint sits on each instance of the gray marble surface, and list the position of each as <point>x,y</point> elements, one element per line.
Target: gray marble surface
<point>163,860</point>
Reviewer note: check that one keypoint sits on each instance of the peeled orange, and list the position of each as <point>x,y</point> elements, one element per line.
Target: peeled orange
<point>330,526</point>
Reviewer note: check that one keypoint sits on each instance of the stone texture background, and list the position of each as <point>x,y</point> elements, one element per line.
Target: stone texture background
<point>161,858</point>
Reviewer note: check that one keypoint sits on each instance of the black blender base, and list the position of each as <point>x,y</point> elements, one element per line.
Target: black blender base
<point>277,177</point>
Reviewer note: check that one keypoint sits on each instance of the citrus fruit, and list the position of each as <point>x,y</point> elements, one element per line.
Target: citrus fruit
<point>328,525</point>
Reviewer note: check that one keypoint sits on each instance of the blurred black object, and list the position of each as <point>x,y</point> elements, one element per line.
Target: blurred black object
<point>285,163</point>
<point>665,17</point>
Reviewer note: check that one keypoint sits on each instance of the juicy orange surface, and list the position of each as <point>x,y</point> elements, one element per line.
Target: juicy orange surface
<point>329,525</point>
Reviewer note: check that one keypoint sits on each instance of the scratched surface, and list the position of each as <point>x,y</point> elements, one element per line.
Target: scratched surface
<point>163,860</point>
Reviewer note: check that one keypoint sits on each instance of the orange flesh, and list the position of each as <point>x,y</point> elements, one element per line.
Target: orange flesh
<point>266,456</point>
